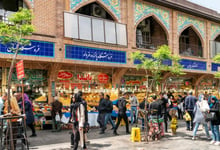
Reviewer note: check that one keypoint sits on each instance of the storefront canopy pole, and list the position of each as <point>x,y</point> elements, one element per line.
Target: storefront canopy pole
<point>22,84</point>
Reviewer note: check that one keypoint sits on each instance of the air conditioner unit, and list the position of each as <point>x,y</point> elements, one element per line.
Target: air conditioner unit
<point>146,28</point>
<point>98,11</point>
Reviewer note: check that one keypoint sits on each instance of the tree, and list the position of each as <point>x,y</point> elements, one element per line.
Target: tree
<point>155,66</point>
<point>12,36</point>
<point>217,59</point>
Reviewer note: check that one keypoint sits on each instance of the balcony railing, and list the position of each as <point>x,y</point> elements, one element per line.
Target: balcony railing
<point>152,43</point>
<point>214,48</point>
<point>190,50</point>
<point>89,28</point>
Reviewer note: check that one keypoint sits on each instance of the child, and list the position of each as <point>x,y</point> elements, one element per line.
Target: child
<point>173,125</point>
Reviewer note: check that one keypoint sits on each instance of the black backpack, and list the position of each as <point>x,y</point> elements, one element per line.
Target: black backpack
<point>121,105</point>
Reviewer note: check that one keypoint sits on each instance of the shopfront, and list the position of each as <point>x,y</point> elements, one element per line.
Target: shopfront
<point>90,83</point>
<point>35,84</point>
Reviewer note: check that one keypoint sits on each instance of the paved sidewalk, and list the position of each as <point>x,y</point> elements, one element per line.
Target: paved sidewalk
<point>182,141</point>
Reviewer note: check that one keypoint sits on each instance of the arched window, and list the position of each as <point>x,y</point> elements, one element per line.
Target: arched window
<point>190,43</point>
<point>8,7</point>
<point>215,46</point>
<point>95,10</point>
<point>150,34</point>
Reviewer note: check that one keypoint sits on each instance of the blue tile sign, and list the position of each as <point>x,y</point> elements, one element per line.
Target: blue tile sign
<point>165,62</point>
<point>35,48</point>
<point>215,67</point>
<point>193,64</point>
<point>94,54</point>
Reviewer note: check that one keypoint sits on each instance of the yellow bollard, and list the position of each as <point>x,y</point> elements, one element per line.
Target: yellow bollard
<point>136,134</point>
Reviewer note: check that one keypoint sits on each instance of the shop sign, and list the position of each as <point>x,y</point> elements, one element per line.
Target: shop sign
<point>193,64</point>
<point>95,54</point>
<point>84,77</point>
<point>20,69</point>
<point>165,62</point>
<point>103,78</point>
<point>133,82</point>
<point>142,87</point>
<point>65,75</point>
<point>215,67</point>
<point>35,48</point>
<point>76,85</point>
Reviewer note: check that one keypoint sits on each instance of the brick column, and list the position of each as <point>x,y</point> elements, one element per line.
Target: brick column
<point>130,24</point>
<point>175,36</point>
<point>116,77</point>
<point>52,74</point>
<point>208,50</point>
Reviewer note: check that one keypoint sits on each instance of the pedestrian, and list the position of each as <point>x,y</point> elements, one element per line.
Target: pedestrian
<point>1,105</point>
<point>180,107</point>
<point>56,110</point>
<point>174,122</point>
<point>121,104</point>
<point>164,106</point>
<point>200,110</point>
<point>28,108</point>
<point>108,115</point>
<point>215,122</point>
<point>190,103</point>
<point>102,112</point>
<point>74,134</point>
<point>83,133</point>
<point>134,108</point>
<point>155,108</point>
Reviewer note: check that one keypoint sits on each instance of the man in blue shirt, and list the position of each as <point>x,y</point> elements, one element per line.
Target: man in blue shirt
<point>190,102</point>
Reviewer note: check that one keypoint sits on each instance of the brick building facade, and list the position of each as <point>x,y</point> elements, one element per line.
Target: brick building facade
<point>187,28</point>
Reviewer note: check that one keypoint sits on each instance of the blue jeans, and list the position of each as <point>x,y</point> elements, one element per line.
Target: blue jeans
<point>133,110</point>
<point>108,117</point>
<point>215,132</point>
<point>197,126</point>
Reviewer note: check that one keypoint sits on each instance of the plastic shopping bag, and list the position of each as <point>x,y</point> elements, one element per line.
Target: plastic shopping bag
<point>57,117</point>
<point>187,117</point>
<point>64,119</point>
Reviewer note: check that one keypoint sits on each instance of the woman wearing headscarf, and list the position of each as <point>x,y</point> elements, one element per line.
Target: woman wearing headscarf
<point>28,108</point>
<point>215,122</point>
<point>200,109</point>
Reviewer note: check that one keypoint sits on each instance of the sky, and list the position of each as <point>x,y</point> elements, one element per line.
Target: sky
<point>212,4</point>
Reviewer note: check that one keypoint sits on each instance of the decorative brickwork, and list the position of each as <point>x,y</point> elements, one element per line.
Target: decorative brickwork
<point>113,5</point>
<point>143,9</point>
<point>183,21</point>
<point>215,30</point>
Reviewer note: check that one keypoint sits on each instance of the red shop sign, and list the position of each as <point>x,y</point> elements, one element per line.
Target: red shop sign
<point>103,78</point>
<point>20,69</point>
<point>65,75</point>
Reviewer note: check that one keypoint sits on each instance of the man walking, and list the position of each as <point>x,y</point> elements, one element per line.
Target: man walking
<point>56,110</point>
<point>102,112</point>
<point>164,106</point>
<point>109,108</point>
<point>134,108</point>
<point>122,113</point>
<point>190,103</point>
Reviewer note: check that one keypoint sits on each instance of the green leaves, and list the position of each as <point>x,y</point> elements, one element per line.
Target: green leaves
<point>19,27</point>
<point>155,65</point>
<point>217,59</point>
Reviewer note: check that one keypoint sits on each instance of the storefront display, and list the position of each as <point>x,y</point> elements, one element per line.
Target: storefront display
<point>136,84</point>
<point>90,83</point>
<point>35,84</point>
<point>209,85</point>
<point>1,92</point>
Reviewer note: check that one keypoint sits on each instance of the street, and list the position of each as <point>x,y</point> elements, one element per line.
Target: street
<point>48,140</point>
